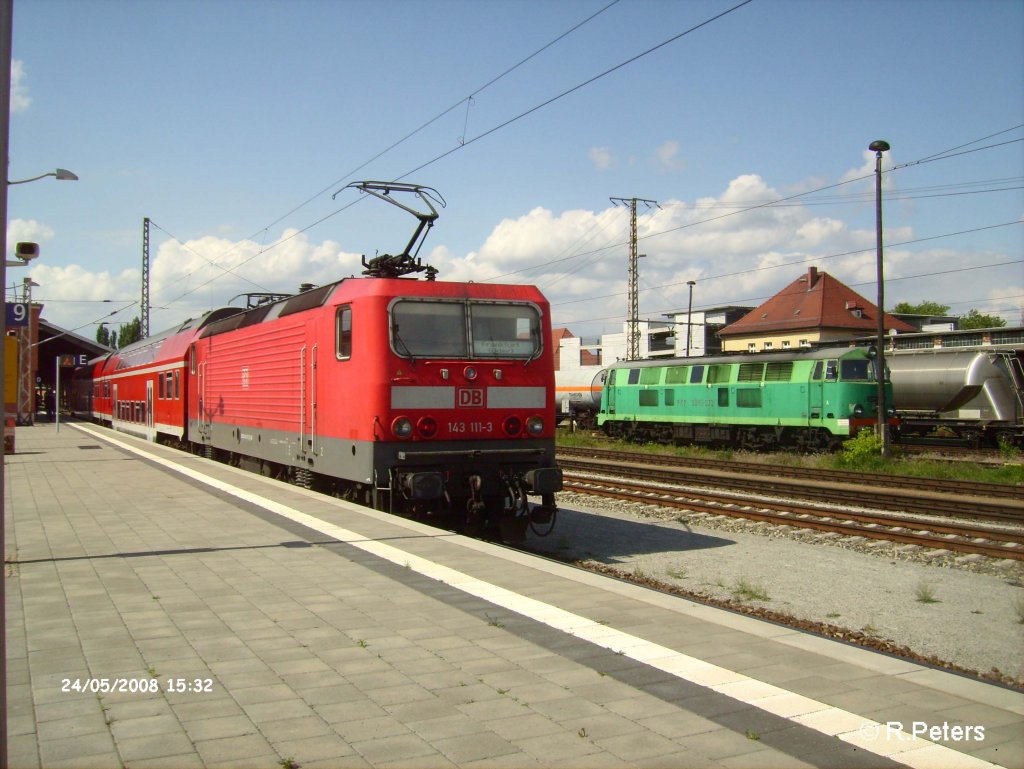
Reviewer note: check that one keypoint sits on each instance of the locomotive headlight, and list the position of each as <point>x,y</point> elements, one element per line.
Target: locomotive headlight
<point>534,425</point>
<point>470,372</point>
<point>858,410</point>
<point>401,427</point>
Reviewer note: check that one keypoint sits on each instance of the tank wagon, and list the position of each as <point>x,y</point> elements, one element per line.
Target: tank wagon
<point>420,397</point>
<point>972,396</point>
<point>807,400</point>
<point>578,396</point>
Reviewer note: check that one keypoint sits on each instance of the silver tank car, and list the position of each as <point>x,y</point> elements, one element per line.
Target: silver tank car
<point>578,396</point>
<point>977,396</point>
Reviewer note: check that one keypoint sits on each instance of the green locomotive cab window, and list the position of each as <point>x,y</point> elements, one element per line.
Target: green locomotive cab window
<point>649,398</point>
<point>696,375</point>
<point>816,376</point>
<point>723,397</point>
<point>854,370</point>
<point>832,371</point>
<point>634,376</point>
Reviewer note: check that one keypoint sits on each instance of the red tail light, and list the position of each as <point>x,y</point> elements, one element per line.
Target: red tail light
<point>426,427</point>
<point>513,426</point>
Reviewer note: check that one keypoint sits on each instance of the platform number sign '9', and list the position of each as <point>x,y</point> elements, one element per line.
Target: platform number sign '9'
<point>16,314</point>
<point>469,397</point>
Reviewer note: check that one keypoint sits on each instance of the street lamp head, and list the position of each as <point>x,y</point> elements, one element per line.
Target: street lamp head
<point>62,174</point>
<point>691,283</point>
<point>879,145</point>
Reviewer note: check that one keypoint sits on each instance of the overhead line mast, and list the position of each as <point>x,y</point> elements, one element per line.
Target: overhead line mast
<point>144,313</point>
<point>633,313</point>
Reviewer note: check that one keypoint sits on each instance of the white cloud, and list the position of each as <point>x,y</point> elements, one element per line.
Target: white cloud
<point>20,100</point>
<point>601,157</point>
<point>668,157</point>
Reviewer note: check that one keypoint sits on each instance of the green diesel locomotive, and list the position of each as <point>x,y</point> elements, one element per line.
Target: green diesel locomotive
<point>807,400</point>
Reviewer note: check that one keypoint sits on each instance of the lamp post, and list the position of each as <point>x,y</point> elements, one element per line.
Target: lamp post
<point>878,147</point>
<point>61,174</point>
<point>689,315</point>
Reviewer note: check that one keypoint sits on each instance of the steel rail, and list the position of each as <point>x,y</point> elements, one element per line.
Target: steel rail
<point>965,539</point>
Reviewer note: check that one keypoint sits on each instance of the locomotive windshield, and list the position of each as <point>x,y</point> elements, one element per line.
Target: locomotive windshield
<point>854,370</point>
<point>438,329</point>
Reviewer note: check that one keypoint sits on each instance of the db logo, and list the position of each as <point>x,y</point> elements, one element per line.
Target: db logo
<point>469,397</point>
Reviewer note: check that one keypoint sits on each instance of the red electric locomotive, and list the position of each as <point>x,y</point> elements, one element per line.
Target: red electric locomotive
<point>418,397</point>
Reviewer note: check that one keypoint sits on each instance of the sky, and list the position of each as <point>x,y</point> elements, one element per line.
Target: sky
<point>236,125</point>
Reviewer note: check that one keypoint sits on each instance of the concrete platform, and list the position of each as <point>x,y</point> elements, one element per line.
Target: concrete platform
<point>168,611</point>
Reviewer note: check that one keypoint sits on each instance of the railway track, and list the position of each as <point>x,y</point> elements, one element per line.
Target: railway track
<point>934,514</point>
<point>963,538</point>
<point>785,473</point>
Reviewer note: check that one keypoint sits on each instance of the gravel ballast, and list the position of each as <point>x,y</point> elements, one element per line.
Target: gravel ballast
<point>964,611</point>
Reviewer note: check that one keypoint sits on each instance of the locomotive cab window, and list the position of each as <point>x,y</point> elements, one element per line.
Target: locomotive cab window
<point>857,370</point>
<point>343,332</point>
<point>832,371</point>
<point>474,329</point>
<point>504,331</point>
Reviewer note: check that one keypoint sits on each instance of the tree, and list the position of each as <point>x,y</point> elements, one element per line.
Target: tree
<point>927,307</point>
<point>975,319</point>
<point>129,332</point>
<point>103,335</point>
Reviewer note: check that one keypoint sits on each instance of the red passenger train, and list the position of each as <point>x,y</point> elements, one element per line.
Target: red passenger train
<point>419,397</point>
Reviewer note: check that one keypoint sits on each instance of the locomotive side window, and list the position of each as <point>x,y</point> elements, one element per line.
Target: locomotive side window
<point>832,371</point>
<point>343,332</point>
<point>816,376</point>
<point>177,385</point>
<point>634,376</point>
<point>696,375</point>
<point>677,375</point>
<point>719,373</point>
<point>650,376</point>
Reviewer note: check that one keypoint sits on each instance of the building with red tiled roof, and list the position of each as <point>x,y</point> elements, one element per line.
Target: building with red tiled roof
<point>813,308</point>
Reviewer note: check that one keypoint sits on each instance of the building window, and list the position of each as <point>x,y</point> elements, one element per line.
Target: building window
<point>751,346</point>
